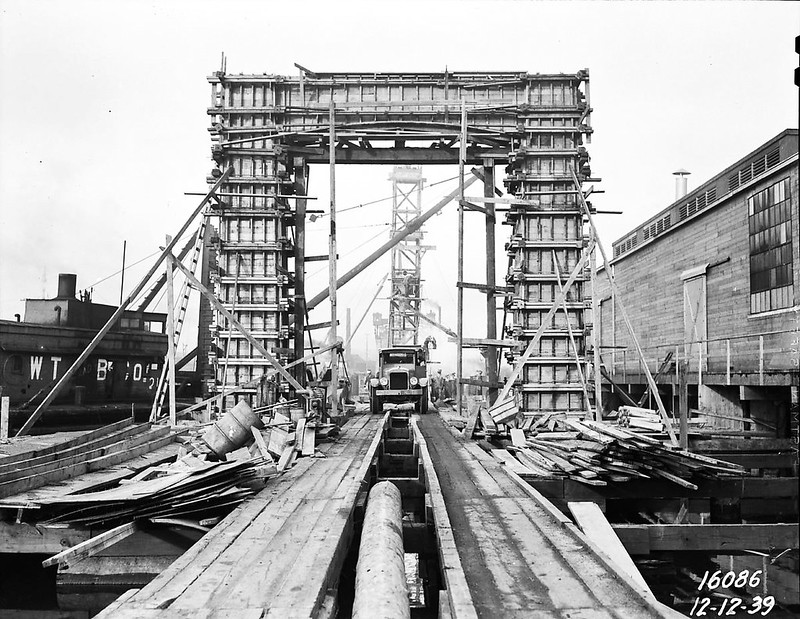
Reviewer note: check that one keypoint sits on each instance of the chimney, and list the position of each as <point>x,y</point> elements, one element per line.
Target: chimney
<point>67,283</point>
<point>681,183</point>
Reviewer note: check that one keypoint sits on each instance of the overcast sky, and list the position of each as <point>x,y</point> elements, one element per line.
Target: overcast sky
<point>103,121</point>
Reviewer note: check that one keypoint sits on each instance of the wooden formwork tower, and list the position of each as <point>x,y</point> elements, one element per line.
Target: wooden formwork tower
<point>406,272</point>
<point>252,278</point>
<point>269,128</point>
<point>547,239</point>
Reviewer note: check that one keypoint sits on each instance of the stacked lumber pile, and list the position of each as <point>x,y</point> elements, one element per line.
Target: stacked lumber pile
<point>93,451</point>
<point>596,453</point>
<point>641,418</point>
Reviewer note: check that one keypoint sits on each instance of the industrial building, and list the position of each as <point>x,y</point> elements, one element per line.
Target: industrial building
<point>713,281</point>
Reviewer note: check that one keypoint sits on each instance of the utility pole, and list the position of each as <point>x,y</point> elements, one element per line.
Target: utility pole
<point>332,257</point>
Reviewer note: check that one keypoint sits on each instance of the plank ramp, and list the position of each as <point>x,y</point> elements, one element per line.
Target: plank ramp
<point>278,553</point>
<point>520,557</point>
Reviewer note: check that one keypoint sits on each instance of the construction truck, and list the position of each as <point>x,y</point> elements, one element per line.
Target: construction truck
<point>402,378</point>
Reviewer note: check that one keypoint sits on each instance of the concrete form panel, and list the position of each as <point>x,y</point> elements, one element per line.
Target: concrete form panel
<point>534,123</point>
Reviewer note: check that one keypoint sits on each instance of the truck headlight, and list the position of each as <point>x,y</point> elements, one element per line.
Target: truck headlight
<point>413,380</point>
<point>423,382</point>
<point>384,381</point>
<point>374,382</point>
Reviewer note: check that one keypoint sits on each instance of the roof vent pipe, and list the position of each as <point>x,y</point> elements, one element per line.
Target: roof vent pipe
<point>67,283</point>
<point>681,183</point>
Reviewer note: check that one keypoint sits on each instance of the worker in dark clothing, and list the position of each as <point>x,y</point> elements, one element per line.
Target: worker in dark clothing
<point>436,386</point>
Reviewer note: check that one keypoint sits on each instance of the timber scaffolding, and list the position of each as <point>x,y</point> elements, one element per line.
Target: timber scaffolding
<point>267,129</point>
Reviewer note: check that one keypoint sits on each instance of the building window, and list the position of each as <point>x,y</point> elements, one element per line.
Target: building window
<point>770,219</point>
<point>130,323</point>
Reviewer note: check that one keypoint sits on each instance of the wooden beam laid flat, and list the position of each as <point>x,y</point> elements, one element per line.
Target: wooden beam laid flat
<point>24,538</point>
<point>593,523</point>
<point>92,546</point>
<point>644,538</point>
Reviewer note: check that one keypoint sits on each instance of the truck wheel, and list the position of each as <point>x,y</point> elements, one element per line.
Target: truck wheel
<point>375,405</point>
<point>423,403</point>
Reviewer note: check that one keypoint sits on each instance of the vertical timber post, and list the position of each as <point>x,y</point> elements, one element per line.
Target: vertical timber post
<point>332,257</point>
<point>683,404</point>
<point>4,411</point>
<point>598,394</point>
<point>462,156</point>
<point>301,188</point>
<point>491,310</point>
<point>173,417</point>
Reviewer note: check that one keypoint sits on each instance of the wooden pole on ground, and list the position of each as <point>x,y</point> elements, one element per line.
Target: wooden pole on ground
<point>332,257</point>
<point>381,589</point>
<point>26,427</point>
<point>170,270</point>
<point>460,304</point>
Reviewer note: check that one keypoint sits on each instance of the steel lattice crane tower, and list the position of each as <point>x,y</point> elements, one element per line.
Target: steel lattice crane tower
<point>405,300</point>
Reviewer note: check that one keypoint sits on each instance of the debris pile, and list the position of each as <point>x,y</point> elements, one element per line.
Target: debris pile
<point>189,488</point>
<point>198,474</point>
<point>596,453</point>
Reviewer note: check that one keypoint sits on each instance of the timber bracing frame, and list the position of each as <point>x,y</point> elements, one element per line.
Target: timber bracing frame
<point>266,127</point>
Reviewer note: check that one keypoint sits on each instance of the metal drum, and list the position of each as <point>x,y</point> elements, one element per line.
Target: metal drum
<point>233,430</point>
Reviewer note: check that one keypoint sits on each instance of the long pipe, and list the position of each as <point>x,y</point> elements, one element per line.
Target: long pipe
<point>381,589</point>
<point>411,227</point>
<point>116,315</point>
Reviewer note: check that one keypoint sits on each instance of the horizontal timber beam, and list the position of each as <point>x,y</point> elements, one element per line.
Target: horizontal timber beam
<point>398,156</point>
<point>641,539</point>
<point>478,343</point>
<point>484,287</point>
<point>742,487</point>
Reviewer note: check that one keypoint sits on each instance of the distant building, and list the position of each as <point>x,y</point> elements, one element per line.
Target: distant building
<point>714,279</point>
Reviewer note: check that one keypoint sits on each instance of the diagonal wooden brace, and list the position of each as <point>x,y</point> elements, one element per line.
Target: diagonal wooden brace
<point>560,298</point>
<point>651,383</point>
<point>256,344</point>
<point>26,427</point>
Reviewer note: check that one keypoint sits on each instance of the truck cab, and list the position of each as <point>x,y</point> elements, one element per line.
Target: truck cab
<point>402,378</point>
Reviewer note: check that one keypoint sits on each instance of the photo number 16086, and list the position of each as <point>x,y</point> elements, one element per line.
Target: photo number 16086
<point>731,606</point>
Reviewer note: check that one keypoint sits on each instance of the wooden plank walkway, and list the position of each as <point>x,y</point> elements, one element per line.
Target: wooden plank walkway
<point>519,558</point>
<point>278,553</point>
